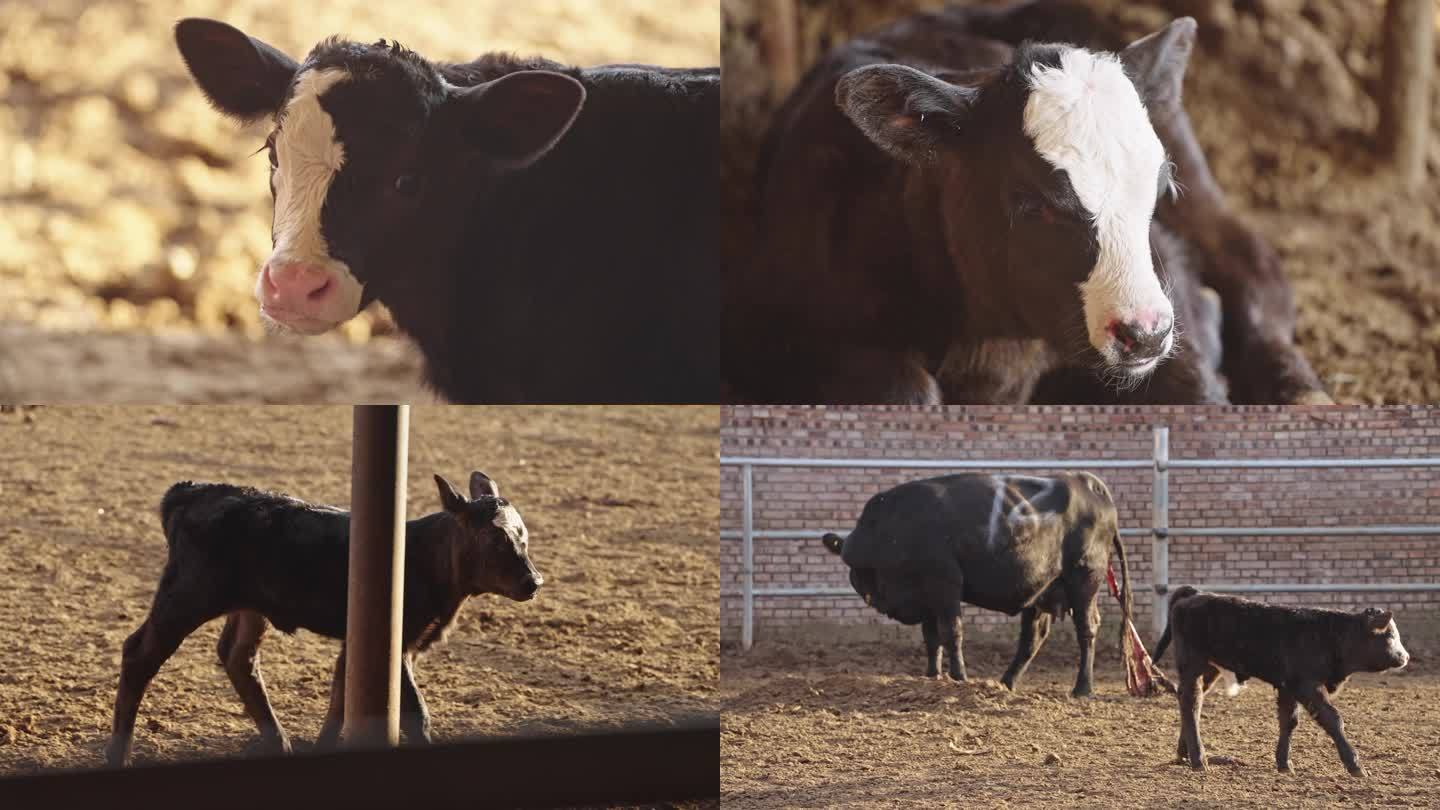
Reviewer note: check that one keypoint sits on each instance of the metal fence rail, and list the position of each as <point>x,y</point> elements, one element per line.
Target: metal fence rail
<point>1159,530</point>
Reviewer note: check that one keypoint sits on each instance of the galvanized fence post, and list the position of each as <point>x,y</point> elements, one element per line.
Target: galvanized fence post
<point>747,553</point>
<point>1160,531</point>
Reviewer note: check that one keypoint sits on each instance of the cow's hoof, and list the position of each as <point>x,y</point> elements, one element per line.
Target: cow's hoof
<point>1356,770</point>
<point>1199,766</point>
<point>1285,769</point>
<point>932,673</point>
<point>1080,692</point>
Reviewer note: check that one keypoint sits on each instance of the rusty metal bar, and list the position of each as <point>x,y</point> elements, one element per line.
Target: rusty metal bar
<point>377,567</point>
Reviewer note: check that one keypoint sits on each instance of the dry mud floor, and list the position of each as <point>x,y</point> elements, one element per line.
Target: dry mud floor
<point>854,725</point>
<point>128,205</point>
<point>621,507</point>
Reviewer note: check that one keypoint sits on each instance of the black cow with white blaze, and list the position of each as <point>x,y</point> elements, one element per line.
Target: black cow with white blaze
<point>544,232</point>
<point>1034,546</point>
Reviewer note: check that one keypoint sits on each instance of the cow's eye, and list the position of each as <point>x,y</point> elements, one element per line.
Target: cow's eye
<point>407,184</point>
<point>1033,206</point>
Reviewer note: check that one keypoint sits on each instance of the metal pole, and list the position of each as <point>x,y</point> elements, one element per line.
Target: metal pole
<point>377,568</point>
<point>1160,531</point>
<point>747,552</point>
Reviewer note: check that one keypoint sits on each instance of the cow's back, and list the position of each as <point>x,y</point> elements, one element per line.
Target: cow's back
<point>920,523</point>
<point>1275,643</point>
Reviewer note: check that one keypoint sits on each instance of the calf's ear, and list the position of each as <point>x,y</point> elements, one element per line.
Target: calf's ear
<point>1156,63</point>
<point>910,114</point>
<point>1378,619</point>
<point>482,485</point>
<point>241,76</point>
<point>514,120</point>
<point>833,542</point>
<point>452,500</point>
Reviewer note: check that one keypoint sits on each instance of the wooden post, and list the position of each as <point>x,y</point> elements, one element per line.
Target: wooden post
<point>1409,40</point>
<point>377,567</point>
<point>781,52</point>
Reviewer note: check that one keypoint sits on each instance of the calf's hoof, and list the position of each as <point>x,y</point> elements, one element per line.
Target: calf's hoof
<point>1199,765</point>
<point>1081,692</point>
<point>1356,770</point>
<point>117,755</point>
<point>932,672</point>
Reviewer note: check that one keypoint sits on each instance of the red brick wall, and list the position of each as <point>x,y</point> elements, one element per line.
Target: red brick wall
<point>800,498</point>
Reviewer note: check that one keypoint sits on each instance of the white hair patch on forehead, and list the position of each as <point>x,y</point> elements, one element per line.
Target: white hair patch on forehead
<point>309,156</point>
<point>1086,118</point>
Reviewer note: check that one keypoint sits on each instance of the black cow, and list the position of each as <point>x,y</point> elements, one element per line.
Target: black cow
<point>545,233</point>
<point>1307,654</point>
<point>269,559</point>
<point>1017,544</point>
<point>953,207</point>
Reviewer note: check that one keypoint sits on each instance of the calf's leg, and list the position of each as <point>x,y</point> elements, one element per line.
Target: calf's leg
<point>239,652</point>
<point>1191,697</point>
<point>334,715</point>
<point>1034,628</point>
<point>1288,710</point>
<point>931,630</point>
<point>177,612</point>
<point>1317,702</point>
<point>414,715</point>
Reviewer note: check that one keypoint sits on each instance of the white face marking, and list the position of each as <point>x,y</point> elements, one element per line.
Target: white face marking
<point>309,157</point>
<point>1393,645</point>
<point>507,519</point>
<point>1086,118</point>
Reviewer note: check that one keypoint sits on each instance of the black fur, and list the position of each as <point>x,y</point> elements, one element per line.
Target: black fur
<point>264,558</point>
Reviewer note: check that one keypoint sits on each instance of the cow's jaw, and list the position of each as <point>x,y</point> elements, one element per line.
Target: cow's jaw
<point>309,155</point>
<point>1086,118</point>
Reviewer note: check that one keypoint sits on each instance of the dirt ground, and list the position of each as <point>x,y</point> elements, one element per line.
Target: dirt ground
<point>1281,93</point>
<point>621,507</point>
<point>128,205</point>
<point>807,724</point>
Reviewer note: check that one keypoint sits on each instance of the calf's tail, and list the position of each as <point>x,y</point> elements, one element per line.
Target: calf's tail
<point>1164,642</point>
<point>173,504</point>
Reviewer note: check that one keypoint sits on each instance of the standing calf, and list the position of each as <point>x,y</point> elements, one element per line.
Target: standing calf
<point>1306,654</point>
<point>265,558</point>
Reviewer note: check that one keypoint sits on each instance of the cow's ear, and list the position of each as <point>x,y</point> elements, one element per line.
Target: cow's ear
<point>1156,63</point>
<point>833,542</point>
<point>482,485</point>
<point>910,114</point>
<point>514,120</point>
<point>450,499</point>
<point>241,76</point>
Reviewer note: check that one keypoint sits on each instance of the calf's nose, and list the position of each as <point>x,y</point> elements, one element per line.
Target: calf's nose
<point>1137,341</point>
<point>291,285</point>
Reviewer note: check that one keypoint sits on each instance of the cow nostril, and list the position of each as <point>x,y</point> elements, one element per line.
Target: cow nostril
<point>319,292</point>
<point>1139,343</point>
